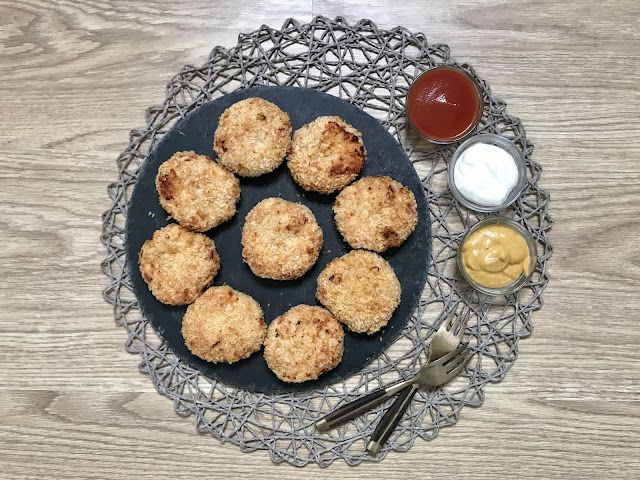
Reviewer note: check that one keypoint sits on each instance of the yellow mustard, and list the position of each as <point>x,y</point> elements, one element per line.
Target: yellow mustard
<point>495,256</point>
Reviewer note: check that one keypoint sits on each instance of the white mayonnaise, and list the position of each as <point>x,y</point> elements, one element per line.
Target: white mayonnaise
<point>485,174</point>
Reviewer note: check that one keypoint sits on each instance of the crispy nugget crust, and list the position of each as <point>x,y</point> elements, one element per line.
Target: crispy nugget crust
<point>196,191</point>
<point>376,213</point>
<point>280,239</point>
<point>303,343</point>
<point>252,137</point>
<point>361,290</point>
<point>326,155</point>
<point>178,264</point>
<point>224,325</point>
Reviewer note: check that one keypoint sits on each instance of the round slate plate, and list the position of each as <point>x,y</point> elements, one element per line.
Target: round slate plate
<point>384,157</point>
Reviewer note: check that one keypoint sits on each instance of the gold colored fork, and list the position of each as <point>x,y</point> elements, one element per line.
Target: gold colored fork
<point>445,341</point>
<point>445,361</point>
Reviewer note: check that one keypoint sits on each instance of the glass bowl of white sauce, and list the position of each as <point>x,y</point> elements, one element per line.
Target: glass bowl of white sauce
<point>487,173</point>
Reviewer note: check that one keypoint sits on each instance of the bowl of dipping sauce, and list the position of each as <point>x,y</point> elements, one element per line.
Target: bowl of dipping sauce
<point>444,104</point>
<point>497,256</point>
<point>487,173</point>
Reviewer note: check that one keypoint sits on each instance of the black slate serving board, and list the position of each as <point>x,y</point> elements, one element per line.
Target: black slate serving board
<point>384,157</point>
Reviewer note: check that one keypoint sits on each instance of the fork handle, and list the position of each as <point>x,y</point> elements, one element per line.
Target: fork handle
<point>391,419</point>
<point>359,406</point>
<point>352,410</point>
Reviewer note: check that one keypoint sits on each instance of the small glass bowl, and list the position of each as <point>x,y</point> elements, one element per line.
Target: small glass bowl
<point>511,149</point>
<point>471,129</point>
<point>522,279</point>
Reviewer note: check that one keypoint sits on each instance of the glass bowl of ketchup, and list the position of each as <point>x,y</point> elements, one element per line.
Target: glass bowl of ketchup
<point>445,104</point>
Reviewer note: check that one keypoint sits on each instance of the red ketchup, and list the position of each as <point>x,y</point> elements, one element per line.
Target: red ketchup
<point>444,104</point>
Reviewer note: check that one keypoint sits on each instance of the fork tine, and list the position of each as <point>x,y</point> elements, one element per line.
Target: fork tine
<point>454,367</point>
<point>446,325</point>
<point>462,323</point>
<point>452,317</point>
<point>449,356</point>
<point>454,372</point>
<point>461,352</point>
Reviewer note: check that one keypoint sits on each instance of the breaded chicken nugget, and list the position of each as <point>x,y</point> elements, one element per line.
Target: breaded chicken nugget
<point>196,191</point>
<point>361,290</point>
<point>303,343</point>
<point>224,325</point>
<point>280,239</point>
<point>178,264</point>
<point>252,137</point>
<point>326,155</point>
<point>375,213</point>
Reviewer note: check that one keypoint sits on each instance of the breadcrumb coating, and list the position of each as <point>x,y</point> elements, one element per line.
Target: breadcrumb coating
<point>178,264</point>
<point>281,240</point>
<point>326,155</point>
<point>376,213</point>
<point>224,325</point>
<point>196,191</point>
<point>361,290</point>
<point>303,343</point>
<point>253,137</point>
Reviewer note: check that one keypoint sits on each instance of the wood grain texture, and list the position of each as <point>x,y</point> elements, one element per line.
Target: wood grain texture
<point>75,77</point>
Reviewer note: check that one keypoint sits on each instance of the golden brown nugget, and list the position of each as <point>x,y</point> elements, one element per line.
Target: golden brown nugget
<point>281,240</point>
<point>224,325</point>
<point>252,137</point>
<point>361,290</point>
<point>178,264</point>
<point>303,343</point>
<point>196,191</point>
<point>326,155</point>
<point>376,213</point>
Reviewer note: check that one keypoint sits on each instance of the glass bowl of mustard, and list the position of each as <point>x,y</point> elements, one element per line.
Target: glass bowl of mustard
<point>497,256</point>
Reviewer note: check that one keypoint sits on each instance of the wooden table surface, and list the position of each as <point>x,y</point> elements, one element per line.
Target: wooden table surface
<point>75,77</point>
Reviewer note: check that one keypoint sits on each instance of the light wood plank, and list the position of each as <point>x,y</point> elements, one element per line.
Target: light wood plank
<point>75,77</point>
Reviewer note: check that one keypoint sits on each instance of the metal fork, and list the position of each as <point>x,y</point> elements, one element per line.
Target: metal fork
<point>443,342</point>
<point>442,365</point>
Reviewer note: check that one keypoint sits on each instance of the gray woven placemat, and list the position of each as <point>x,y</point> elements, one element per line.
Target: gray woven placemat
<point>372,69</point>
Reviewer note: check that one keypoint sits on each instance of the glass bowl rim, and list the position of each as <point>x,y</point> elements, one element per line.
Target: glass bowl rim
<point>499,141</point>
<point>518,283</point>
<point>481,104</point>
